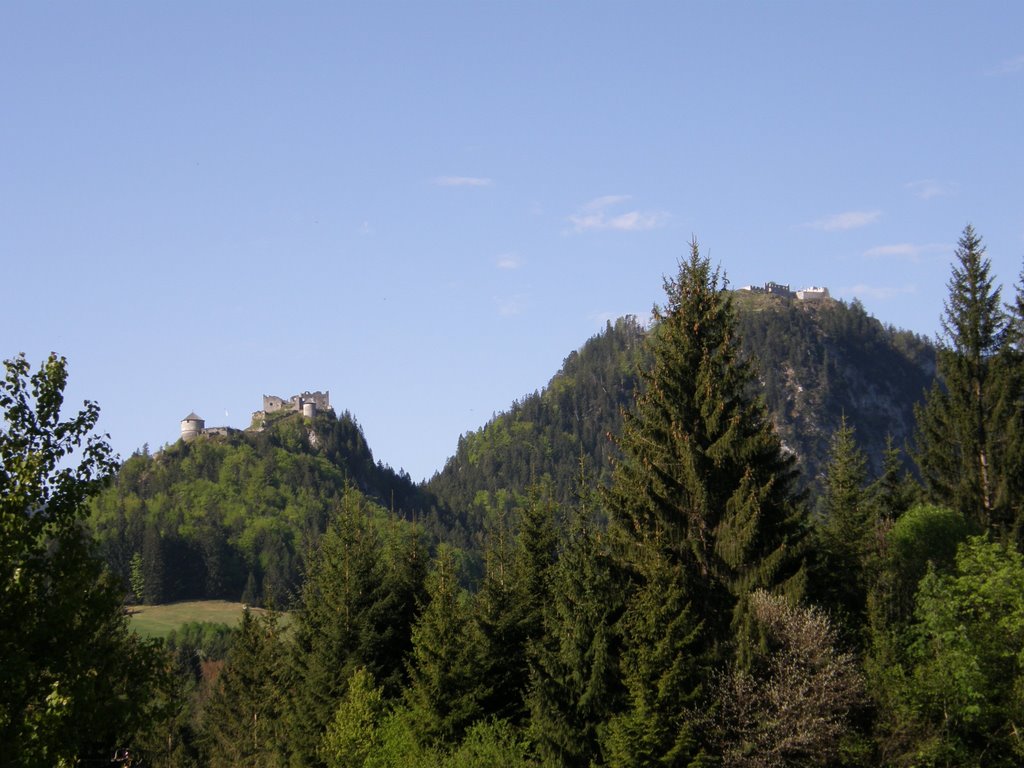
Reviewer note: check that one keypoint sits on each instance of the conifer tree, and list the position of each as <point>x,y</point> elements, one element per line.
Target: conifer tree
<point>705,510</point>
<point>845,530</point>
<point>500,610</point>
<point>353,735</point>
<point>447,683</point>
<point>703,478</point>
<point>536,554</point>
<point>846,513</point>
<point>1010,493</point>
<point>243,722</point>
<point>894,491</point>
<point>511,600</point>
<point>153,569</point>
<point>960,444</point>
<point>357,610</point>
<point>574,684</point>
<point>662,664</point>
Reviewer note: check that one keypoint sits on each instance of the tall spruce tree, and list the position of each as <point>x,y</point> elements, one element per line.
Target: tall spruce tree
<point>844,531</point>
<point>500,611</point>
<point>894,491</point>
<point>662,666</point>
<point>1010,492</point>
<point>960,442</point>
<point>243,722</point>
<point>574,686</point>
<point>703,478</point>
<point>357,608</point>
<point>705,507</point>
<point>447,666</point>
<point>511,600</point>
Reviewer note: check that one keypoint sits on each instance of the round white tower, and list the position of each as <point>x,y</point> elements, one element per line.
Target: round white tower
<point>191,427</point>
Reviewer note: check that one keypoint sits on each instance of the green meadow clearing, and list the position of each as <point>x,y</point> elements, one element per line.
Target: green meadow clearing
<point>159,620</point>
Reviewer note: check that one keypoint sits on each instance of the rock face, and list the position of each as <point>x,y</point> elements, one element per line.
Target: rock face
<point>823,359</point>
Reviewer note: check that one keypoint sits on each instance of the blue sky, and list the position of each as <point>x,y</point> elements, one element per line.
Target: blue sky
<point>423,207</point>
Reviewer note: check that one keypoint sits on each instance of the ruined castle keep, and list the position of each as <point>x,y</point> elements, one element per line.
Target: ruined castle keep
<point>308,404</point>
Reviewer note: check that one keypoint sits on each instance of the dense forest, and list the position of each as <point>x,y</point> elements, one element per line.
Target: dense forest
<point>759,533</point>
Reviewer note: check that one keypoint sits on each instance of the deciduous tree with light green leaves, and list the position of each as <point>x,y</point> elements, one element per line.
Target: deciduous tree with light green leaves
<point>353,735</point>
<point>75,682</point>
<point>957,697</point>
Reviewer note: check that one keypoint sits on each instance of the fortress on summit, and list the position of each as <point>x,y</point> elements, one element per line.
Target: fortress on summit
<point>814,293</point>
<point>308,404</point>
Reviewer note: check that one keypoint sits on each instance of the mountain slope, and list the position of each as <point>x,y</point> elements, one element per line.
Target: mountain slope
<point>817,361</point>
<point>233,516</point>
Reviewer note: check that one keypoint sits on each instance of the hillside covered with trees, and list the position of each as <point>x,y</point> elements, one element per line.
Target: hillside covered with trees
<point>815,362</point>
<point>236,516</point>
<point>686,598</point>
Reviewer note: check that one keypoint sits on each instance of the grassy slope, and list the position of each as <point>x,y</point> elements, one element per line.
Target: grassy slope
<point>159,620</point>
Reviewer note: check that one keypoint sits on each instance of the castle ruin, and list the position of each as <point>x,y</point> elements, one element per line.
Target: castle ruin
<point>192,426</point>
<point>308,404</point>
<point>814,293</point>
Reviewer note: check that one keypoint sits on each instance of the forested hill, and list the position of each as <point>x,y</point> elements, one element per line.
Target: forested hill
<point>817,361</point>
<point>821,360</point>
<point>235,515</point>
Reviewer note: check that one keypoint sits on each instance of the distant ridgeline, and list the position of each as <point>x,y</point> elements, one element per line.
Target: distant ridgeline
<point>308,404</point>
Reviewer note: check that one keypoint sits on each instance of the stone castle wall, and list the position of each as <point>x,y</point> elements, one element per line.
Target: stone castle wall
<point>308,404</point>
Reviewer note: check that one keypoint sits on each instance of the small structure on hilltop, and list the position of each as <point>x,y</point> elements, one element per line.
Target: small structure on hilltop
<point>814,293</point>
<point>773,289</point>
<point>192,426</point>
<point>309,404</point>
<point>778,289</point>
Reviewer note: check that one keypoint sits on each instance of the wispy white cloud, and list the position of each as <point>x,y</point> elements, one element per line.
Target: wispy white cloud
<point>463,181</point>
<point>911,251</point>
<point>878,292</point>
<point>842,221</point>
<point>595,216</point>
<point>606,201</point>
<point>1010,66</point>
<point>926,189</point>
<point>508,261</point>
